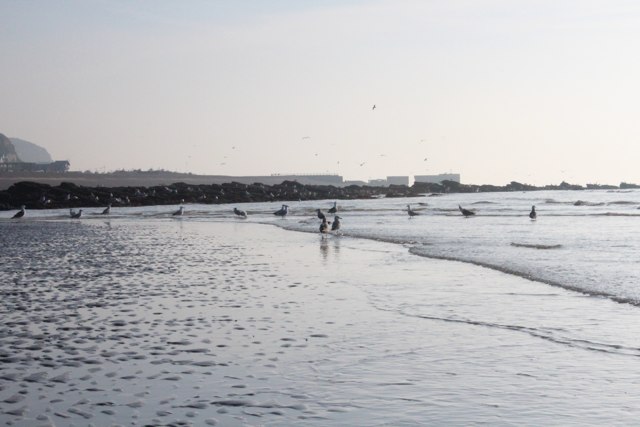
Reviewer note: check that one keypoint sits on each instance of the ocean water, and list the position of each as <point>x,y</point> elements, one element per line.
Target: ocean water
<point>144,318</point>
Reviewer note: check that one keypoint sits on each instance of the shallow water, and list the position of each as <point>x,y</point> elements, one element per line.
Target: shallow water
<point>144,318</point>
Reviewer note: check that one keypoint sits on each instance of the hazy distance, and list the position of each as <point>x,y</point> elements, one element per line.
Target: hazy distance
<point>532,91</point>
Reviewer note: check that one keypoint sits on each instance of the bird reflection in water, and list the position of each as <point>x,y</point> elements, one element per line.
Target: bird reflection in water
<point>329,244</point>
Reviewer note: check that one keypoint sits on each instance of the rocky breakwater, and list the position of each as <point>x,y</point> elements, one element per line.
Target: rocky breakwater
<point>68,195</point>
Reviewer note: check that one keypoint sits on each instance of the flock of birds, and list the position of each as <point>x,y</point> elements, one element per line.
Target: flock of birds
<point>325,226</point>
<point>467,213</point>
<point>77,214</point>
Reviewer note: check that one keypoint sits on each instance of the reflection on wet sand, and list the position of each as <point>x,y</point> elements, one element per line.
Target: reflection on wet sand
<point>330,244</point>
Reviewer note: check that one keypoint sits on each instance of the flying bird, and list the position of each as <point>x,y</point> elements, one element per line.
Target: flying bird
<point>20,213</point>
<point>533,215</point>
<point>466,212</point>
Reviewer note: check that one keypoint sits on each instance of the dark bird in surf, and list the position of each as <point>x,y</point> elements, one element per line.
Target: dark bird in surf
<point>107,210</point>
<point>179,212</point>
<point>239,212</point>
<point>283,211</point>
<point>321,215</point>
<point>334,209</point>
<point>20,213</point>
<point>76,215</point>
<point>411,212</point>
<point>335,226</point>
<point>324,226</point>
<point>533,215</point>
<point>466,212</point>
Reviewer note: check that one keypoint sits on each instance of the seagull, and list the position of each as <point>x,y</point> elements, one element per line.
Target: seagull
<point>239,212</point>
<point>321,215</point>
<point>179,212</point>
<point>20,213</point>
<point>324,226</point>
<point>533,215</point>
<point>334,209</point>
<point>411,212</point>
<point>335,226</point>
<point>76,215</point>
<point>284,210</point>
<point>107,210</point>
<point>467,213</point>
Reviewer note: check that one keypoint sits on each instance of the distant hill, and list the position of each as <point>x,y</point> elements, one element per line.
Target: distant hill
<point>7,150</point>
<point>30,152</point>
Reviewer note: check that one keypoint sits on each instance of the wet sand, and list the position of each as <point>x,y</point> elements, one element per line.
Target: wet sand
<point>193,323</point>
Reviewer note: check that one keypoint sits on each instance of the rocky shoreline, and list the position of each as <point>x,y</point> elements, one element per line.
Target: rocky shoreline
<point>36,195</point>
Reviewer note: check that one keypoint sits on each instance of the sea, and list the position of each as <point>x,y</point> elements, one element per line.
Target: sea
<point>432,319</point>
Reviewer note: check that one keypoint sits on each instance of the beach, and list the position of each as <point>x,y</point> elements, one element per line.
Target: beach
<point>178,322</point>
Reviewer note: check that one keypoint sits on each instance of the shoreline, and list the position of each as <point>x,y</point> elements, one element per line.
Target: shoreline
<point>254,324</point>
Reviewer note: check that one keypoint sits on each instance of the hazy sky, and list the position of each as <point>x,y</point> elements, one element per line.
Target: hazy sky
<point>497,90</point>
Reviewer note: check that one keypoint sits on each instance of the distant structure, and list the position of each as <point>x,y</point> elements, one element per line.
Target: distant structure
<point>58,166</point>
<point>391,180</point>
<point>7,151</point>
<point>398,180</point>
<point>355,182</point>
<point>21,156</point>
<point>436,179</point>
<point>305,179</point>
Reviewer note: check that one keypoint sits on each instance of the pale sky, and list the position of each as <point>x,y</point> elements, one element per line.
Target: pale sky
<point>496,90</point>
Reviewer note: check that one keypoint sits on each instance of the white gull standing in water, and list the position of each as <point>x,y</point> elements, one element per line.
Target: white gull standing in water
<point>335,226</point>
<point>283,211</point>
<point>324,226</point>
<point>411,212</point>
